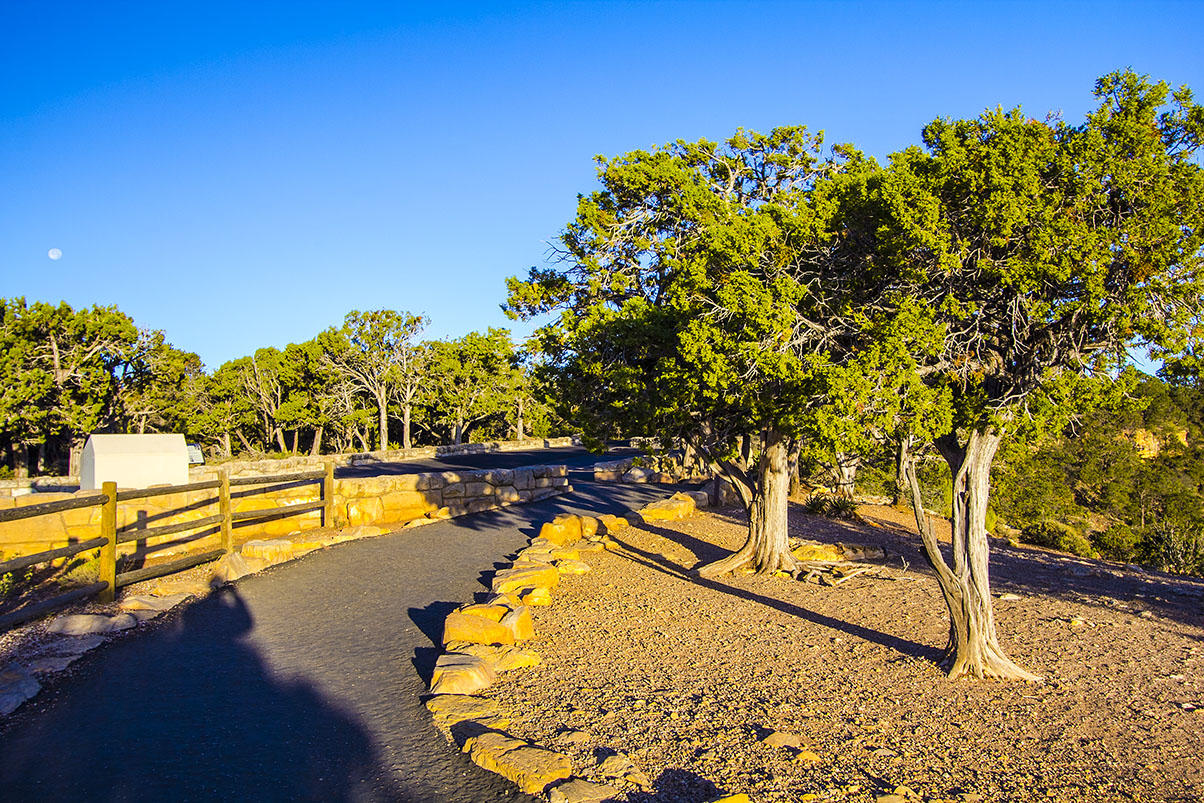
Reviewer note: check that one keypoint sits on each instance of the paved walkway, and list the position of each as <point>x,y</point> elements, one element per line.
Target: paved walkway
<point>301,683</point>
<point>575,457</point>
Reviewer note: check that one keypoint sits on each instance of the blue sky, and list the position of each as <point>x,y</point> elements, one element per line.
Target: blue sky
<point>242,175</point>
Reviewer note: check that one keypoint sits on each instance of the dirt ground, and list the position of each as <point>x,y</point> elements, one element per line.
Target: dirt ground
<point>687,677</point>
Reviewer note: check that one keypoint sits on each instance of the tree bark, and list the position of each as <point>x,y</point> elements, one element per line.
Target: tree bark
<point>296,439</point>
<point>767,548</point>
<point>74,454</point>
<point>902,455</point>
<point>280,439</point>
<point>21,460</point>
<point>226,450</point>
<point>518,425</point>
<point>382,404</point>
<point>406,443</point>
<point>973,648</point>
<point>845,467</point>
<point>317,447</point>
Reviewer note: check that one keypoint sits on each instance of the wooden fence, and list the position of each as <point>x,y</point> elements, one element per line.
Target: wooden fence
<point>108,580</point>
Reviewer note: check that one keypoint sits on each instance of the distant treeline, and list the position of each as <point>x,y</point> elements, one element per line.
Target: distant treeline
<point>1125,483</point>
<point>372,383</point>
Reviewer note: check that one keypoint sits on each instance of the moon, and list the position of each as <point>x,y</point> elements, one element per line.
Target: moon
<point>54,253</point>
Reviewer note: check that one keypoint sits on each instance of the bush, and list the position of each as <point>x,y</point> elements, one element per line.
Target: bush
<point>1118,542</point>
<point>1056,535</point>
<point>833,507</point>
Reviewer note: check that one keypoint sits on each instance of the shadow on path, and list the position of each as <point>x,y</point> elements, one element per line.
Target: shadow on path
<point>188,712</point>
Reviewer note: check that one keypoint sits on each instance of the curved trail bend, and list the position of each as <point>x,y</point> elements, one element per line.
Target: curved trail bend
<point>300,683</point>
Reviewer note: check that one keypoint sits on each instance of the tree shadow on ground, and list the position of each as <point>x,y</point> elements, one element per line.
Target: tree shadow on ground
<point>656,562</point>
<point>1026,570</point>
<point>678,786</point>
<point>188,711</point>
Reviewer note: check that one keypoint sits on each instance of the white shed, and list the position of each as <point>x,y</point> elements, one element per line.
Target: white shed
<point>133,461</point>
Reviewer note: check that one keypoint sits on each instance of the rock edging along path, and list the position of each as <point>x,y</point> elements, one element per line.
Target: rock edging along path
<point>481,640</point>
<point>303,682</point>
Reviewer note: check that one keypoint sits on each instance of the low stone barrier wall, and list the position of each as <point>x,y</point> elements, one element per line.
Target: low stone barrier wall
<point>284,465</point>
<point>250,468</point>
<point>384,500</point>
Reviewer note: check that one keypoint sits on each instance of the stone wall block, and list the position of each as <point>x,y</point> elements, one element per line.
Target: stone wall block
<point>524,479</point>
<point>481,504</point>
<point>454,490</point>
<point>507,493</point>
<point>499,477</point>
<point>364,511</point>
<point>477,489</point>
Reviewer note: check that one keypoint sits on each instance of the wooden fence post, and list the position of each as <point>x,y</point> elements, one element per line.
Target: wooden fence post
<point>108,553</point>
<point>328,495</point>
<point>223,509</point>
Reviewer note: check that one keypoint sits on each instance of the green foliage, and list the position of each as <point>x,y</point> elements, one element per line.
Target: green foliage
<point>1118,542</point>
<point>831,506</point>
<point>1056,535</point>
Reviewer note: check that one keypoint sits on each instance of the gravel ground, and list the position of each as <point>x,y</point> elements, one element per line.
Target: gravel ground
<point>688,677</point>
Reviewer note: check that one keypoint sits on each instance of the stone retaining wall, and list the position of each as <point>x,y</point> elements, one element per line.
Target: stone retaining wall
<point>384,500</point>
<point>288,465</point>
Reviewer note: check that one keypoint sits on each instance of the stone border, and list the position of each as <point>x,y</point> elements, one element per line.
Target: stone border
<point>481,639</point>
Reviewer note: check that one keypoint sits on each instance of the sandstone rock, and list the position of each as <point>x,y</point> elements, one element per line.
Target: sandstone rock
<point>674,508</point>
<point>519,623</point>
<point>782,739</point>
<point>609,525</point>
<point>230,568</point>
<point>475,630</point>
<point>77,645</point>
<point>562,530</point>
<point>638,474</point>
<point>48,664</point>
<point>83,624</point>
<point>579,791</point>
<point>572,566</point>
<point>861,552</point>
<point>536,597</point>
<point>813,550</point>
<point>16,686</point>
<point>806,757</point>
<point>1010,597</point>
<point>700,498</point>
<point>167,588</point>
<point>448,709</point>
<point>149,603</point>
<point>503,658</point>
<point>275,551</point>
<point>594,546</point>
<point>620,768</point>
<point>532,768</point>
<point>460,673</point>
<point>359,531</point>
<point>740,798</point>
<point>530,575</point>
<point>589,526</point>
<point>489,611</point>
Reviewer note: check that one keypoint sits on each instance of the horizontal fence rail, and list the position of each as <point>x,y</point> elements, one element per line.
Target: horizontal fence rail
<point>47,508</point>
<point>223,523</point>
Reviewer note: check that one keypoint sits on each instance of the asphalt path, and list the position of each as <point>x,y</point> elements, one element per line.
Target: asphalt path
<point>304,682</point>
<point>575,457</point>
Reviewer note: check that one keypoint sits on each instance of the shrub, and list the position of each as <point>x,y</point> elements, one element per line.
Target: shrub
<point>1056,535</point>
<point>1118,542</point>
<point>816,505</point>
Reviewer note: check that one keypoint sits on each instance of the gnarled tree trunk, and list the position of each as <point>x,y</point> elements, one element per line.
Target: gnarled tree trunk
<point>766,499</point>
<point>973,648</point>
<point>845,469</point>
